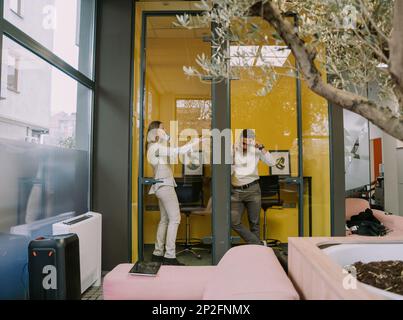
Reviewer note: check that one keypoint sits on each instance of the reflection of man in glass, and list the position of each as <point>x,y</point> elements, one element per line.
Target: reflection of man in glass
<point>245,185</point>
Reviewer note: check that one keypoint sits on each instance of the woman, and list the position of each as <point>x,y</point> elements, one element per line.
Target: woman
<point>158,155</point>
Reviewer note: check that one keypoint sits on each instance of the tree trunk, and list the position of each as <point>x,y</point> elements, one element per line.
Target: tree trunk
<point>396,46</point>
<point>396,53</point>
<point>383,117</point>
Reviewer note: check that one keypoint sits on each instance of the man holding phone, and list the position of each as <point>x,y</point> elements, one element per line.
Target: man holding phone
<point>245,191</point>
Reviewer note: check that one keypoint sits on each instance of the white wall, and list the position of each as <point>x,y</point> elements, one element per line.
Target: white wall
<point>393,181</point>
<point>375,132</point>
<point>392,201</point>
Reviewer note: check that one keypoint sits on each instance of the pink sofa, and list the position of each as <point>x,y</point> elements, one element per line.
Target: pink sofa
<point>393,223</point>
<point>246,272</point>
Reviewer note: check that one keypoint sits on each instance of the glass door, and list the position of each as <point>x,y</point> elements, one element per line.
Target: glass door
<point>182,107</point>
<point>273,120</point>
<point>287,120</point>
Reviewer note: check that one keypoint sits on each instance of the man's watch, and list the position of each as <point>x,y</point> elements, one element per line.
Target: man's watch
<point>261,147</point>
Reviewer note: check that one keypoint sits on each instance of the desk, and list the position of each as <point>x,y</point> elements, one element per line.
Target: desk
<point>151,202</point>
<point>153,205</point>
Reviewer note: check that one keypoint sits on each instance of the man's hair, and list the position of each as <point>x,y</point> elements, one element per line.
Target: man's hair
<point>248,134</point>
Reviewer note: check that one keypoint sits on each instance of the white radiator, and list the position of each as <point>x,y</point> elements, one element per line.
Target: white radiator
<point>88,228</point>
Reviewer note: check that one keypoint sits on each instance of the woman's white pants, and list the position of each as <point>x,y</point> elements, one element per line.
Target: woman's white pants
<point>169,223</point>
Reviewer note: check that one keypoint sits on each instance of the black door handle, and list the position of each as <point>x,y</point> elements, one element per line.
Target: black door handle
<point>150,181</point>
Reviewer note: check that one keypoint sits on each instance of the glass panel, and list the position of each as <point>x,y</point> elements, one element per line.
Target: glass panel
<point>183,105</point>
<point>193,113</point>
<point>58,25</point>
<point>44,156</point>
<point>357,162</point>
<point>273,117</point>
<point>316,161</point>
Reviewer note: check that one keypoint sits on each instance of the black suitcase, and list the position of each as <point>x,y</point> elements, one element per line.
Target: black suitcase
<point>54,268</point>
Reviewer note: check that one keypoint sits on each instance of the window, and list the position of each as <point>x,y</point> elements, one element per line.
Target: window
<point>50,105</point>
<point>16,7</point>
<point>357,151</point>
<point>44,139</point>
<point>57,25</point>
<point>78,24</point>
<point>193,113</point>
<point>12,74</point>
<point>45,129</point>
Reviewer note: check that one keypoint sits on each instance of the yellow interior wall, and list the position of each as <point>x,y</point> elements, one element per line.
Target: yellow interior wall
<point>274,118</point>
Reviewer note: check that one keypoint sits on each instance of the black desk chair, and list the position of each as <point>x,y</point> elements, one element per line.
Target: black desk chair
<point>190,196</point>
<point>270,188</point>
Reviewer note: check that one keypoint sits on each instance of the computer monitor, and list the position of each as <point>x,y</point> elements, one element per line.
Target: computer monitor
<point>190,192</point>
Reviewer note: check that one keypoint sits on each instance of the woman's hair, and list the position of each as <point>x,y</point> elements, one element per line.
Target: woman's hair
<point>152,128</point>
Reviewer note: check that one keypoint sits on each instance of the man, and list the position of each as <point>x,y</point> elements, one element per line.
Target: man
<point>245,185</point>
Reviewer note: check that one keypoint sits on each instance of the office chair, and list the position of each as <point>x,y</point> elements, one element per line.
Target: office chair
<point>270,188</point>
<point>190,196</point>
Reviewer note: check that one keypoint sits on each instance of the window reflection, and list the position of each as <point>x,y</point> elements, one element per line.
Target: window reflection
<point>57,25</point>
<point>39,103</point>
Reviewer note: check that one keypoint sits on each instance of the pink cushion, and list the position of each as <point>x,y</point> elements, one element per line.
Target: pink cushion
<point>250,272</point>
<point>245,272</point>
<point>355,206</point>
<point>171,283</point>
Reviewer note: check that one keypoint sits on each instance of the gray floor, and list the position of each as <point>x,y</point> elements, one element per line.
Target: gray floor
<point>94,293</point>
<point>186,257</point>
<point>281,253</point>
